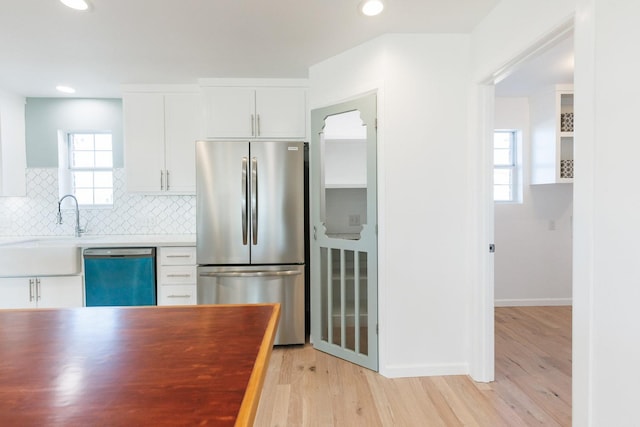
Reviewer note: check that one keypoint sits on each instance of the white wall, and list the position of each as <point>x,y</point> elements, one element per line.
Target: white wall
<point>607,206</point>
<point>533,260</point>
<point>422,96</point>
<point>12,145</point>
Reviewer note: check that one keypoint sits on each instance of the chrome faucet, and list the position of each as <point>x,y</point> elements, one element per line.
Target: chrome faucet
<point>79,230</point>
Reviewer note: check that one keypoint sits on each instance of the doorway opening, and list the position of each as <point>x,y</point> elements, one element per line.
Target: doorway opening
<point>533,228</point>
<point>532,224</point>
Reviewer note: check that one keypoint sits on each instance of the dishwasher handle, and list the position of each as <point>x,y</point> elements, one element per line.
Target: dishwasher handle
<point>119,252</point>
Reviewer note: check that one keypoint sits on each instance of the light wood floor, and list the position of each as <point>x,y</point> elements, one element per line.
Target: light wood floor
<point>305,387</point>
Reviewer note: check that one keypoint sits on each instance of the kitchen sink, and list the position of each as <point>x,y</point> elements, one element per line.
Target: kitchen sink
<point>41,257</point>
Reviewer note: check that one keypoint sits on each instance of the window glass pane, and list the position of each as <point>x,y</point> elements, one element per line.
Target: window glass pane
<point>502,139</point>
<point>82,180</point>
<point>502,176</point>
<point>81,141</point>
<point>103,179</point>
<point>103,196</point>
<point>90,168</point>
<point>104,159</point>
<point>502,157</point>
<point>103,141</point>
<point>505,166</point>
<point>82,159</point>
<point>84,196</point>
<point>502,193</point>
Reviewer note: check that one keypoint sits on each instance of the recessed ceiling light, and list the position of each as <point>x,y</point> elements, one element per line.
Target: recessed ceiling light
<point>371,7</point>
<point>65,89</point>
<point>76,4</point>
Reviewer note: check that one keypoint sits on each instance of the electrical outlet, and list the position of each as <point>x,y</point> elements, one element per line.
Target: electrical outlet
<point>354,220</point>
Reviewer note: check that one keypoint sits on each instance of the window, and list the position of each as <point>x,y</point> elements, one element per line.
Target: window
<point>505,166</point>
<point>90,168</point>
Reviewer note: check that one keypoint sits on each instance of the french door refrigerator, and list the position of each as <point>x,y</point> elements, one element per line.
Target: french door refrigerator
<point>250,228</point>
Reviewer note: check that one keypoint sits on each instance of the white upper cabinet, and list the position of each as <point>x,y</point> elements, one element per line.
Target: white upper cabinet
<point>13,158</point>
<point>183,124</point>
<point>230,112</point>
<point>552,135</point>
<point>160,131</point>
<point>255,112</point>
<point>281,113</point>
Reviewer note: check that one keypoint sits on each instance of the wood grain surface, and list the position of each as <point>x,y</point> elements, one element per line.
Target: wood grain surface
<point>106,366</point>
<point>305,387</point>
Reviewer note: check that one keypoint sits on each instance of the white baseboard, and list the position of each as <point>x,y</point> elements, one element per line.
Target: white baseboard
<point>532,302</point>
<point>425,370</point>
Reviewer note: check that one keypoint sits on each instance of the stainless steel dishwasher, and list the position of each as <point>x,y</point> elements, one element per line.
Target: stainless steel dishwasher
<point>120,276</point>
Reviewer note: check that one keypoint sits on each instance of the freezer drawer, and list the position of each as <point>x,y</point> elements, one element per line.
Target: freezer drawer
<point>282,284</point>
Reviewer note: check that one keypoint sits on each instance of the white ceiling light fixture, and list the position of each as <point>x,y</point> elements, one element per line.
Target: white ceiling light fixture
<point>371,7</point>
<point>65,89</point>
<point>76,4</point>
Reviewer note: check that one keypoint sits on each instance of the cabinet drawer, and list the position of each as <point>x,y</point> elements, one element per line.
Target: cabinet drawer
<point>180,255</point>
<point>177,295</point>
<point>177,274</point>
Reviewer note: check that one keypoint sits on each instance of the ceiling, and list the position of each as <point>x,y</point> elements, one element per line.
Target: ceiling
<point>43,43</point>
<point>550,67</point>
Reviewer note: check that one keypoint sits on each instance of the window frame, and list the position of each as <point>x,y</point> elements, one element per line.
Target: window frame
<point>514,166</point>
<point>67,185</point>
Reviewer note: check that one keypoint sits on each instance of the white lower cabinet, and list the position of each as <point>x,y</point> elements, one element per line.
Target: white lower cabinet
<point>41,292</point>
<point>177,275</point>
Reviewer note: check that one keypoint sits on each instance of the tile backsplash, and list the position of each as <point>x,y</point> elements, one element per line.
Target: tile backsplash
<point>35,214</point>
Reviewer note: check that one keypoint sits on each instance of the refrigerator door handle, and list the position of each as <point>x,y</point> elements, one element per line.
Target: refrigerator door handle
<point>254,200</point>
<point>244,200</point>
<point>257,273</point>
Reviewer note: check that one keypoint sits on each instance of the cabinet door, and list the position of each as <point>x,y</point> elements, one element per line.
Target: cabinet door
<point>281,112</point>
<point>183,126</point>
<point>15,292</point>
<point>230,112</point>
<point>60,292</point>
<point>144,141</point>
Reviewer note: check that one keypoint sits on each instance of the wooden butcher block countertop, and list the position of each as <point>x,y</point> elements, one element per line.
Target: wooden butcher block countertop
<point>134,366</point>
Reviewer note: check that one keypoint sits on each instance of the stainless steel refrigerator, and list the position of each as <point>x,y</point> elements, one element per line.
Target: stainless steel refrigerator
<point>250,228</point>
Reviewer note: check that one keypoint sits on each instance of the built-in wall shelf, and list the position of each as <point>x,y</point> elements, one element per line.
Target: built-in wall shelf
<point>552,135</point>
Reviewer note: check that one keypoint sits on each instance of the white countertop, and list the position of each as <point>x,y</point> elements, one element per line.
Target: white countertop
<point>103,241</point>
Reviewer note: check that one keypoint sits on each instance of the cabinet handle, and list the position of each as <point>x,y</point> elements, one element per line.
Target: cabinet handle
<point>258,124</point>
<point>178,296</point>
<point>30,290</point>
<point>167,180</point>
<point>253,129</point>
<point>178,275</point>
<point>38,296</point>
<point>178,256</point>
<point>161,180</point>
